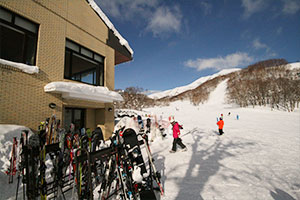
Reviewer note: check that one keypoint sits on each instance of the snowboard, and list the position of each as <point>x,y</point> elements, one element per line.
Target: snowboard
<point>132,145</point>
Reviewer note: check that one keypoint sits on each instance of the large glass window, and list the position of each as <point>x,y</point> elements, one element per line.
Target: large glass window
<point>18,38</point>
<point>75,116</point>
<point>82,64</point>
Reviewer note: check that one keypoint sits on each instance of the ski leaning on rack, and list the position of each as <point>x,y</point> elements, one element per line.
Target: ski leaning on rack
<point>19,164</point>
<point>155,173</point>
<point>13,161</point>
<point>42,168</point>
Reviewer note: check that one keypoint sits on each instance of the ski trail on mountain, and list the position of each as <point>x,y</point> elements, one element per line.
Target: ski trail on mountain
<point>217,97</point>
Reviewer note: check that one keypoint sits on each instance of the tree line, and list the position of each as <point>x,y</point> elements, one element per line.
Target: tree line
<point>265,83</point>
<point>269,82</point>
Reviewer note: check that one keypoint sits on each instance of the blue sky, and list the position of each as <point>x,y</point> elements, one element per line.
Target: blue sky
<point>176,42</point>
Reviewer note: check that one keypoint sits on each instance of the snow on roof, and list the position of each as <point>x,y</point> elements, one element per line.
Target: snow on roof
<point>70,90</point>
<point>193,85</point>
<point>110,25</point>
<point>25,68</point>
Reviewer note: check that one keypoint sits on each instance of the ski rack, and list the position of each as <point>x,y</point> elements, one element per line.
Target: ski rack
<point>32,190</point>
<point>84,165</point>
<point>90,187</point>
<point>101,154</point>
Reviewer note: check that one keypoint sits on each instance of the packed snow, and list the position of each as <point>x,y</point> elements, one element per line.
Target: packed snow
<point>193,85</point>
<point>256,158</point>
<point>83,91</point>
<point>23,67</point>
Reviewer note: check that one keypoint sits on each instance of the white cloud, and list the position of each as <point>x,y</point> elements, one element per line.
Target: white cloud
<point>253,6</point>
<point>229,61</point>
<point>128,9</point>
<point>291,6</point>
<point>159,19</point>
<point>207,7</point>
<point>257,44</point>
<point>165,20</point>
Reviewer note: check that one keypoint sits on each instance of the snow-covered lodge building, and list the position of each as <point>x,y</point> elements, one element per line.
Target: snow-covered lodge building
<point>58,52</point>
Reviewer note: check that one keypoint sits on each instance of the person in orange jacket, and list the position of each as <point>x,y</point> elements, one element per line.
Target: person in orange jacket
<point>220,123</point>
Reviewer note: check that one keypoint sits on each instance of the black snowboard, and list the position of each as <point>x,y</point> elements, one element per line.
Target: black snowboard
<point>132,145</point>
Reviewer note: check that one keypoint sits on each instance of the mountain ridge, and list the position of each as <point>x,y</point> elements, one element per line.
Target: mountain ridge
<point>178,90</point>
<point>181,89</point>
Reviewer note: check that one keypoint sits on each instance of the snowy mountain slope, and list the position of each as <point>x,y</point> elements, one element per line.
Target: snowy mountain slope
<point>193,85</point>
<point>295,65</point>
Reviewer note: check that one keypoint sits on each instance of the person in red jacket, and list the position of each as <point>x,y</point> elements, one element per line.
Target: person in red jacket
<point>177,140</point>
<point>220,123</point>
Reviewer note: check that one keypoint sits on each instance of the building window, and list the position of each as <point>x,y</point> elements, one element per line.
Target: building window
<point>82,64</point>
<point>75,116</point>
<point>18,38</point>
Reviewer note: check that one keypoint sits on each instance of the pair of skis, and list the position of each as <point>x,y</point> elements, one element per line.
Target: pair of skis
<point>15,165</point>
<point>155,173</point>
<point>21,160</point>
<point>43,132</point>
<point>79,175</point>
<point>16,161</point>
<point>54,126</point>
<point>13,161</point>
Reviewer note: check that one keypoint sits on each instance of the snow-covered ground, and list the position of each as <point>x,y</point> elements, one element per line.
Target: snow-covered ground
<point>258,157</point>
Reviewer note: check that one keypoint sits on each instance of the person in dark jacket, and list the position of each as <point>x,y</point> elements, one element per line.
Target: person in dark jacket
<point>148,125</point>
<point>140,122</point>
<point>177,139</point>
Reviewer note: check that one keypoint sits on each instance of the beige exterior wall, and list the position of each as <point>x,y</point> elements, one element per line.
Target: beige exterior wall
<point>22,97</point>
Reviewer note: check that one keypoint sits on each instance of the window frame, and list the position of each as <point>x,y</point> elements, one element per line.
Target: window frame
<point>72,52</point>
<point>72,110</point>
<point>12,26</point>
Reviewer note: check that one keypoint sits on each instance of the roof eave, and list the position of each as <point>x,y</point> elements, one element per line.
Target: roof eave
<point>123,52</point>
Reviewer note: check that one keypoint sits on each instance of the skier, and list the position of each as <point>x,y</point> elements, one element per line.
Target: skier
<point>177,140</point>
<point>141,124</point>
<point>148,125</point>
<point>220,123</point>
<point>155,129</point>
